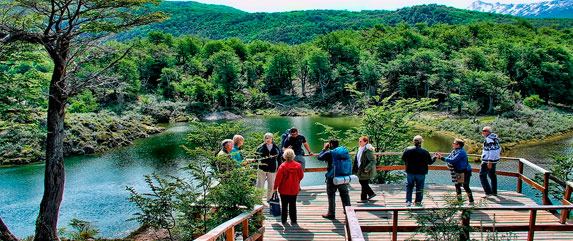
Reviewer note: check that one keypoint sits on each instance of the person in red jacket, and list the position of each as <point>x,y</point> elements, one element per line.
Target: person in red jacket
<point>287,182</point>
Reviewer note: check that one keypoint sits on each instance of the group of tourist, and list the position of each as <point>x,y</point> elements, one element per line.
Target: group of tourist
<point>282,168</point>
<point>417,160</point>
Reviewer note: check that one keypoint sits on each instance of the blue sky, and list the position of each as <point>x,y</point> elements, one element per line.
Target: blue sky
<point>351,5</point>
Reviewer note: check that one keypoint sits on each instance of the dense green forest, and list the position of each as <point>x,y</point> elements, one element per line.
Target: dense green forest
<point>296,27</point>
<point>480,68</point>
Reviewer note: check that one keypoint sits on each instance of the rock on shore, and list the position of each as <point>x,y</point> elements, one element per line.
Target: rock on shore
<point>224,115</point>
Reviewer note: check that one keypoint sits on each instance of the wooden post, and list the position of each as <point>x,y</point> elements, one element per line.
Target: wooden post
<point>245,224</point>
<point>231,234</point>
<point>546,200</point>
<point>259,214</point>
<point>395,226</point>
<point>532,217</point>
<point>566,197</point>
<point>519,181</point>
<point>466,224</point>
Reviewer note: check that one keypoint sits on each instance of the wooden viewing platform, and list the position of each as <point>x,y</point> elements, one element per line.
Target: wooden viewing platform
<point>511,214</point>
<point>312,202</point>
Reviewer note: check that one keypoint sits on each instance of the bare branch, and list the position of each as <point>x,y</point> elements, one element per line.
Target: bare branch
<point>11,35</point>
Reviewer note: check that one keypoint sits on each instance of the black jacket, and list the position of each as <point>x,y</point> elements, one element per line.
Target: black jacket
<point>417,160</point>
<point>269,159</point>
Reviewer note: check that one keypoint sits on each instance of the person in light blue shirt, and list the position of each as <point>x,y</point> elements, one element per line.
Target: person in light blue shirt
<point>238,140</point>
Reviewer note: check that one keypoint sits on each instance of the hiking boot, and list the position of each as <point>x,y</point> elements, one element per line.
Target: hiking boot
<point>371,196</point>
<point>328,216</point>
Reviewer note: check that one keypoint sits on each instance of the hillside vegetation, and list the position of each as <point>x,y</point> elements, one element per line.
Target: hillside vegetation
<point>470,70</point>
<point>222,22</point>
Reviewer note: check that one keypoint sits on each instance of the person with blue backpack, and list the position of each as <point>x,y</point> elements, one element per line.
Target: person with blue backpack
<point>338,164</point>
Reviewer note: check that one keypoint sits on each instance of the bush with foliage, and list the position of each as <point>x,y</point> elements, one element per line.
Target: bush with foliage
<point>533,101</point>
<point>562,170</point>
<point>389,128</point>
<point>445,223</point>
<point>21,142</point>
<point>189,207</point>
<point>162,111</point>
<point>83,103</point>
<point>83,231</point>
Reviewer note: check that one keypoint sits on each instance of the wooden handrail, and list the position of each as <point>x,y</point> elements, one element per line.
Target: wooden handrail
<point>354,229</point>
<point>536,167</point>
<point>228,228</point>
<point>566,201</point>
<point>503,208</point>
<point>543,188</point>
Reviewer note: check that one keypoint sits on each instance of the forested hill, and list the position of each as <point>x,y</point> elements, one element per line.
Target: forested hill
<point>222,22</point>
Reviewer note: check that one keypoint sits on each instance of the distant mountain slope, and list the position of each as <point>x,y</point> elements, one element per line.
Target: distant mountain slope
<point>548,9</point>
<point>222,22</point>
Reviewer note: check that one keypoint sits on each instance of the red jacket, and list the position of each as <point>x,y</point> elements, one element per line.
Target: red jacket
<point>288,178</point>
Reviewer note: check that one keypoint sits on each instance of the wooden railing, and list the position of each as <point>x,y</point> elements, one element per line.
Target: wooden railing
<point>354,229</point>
<point>543,188</point>
<point>355,232</point>
<point>228,228</point>
<point>566,201</point>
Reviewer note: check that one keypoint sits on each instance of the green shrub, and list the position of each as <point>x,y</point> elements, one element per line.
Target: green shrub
<point>83,231</point>
<point>533,101</point>
<point>162,111</point>
<point>83,103</point>
<point>185,206</point>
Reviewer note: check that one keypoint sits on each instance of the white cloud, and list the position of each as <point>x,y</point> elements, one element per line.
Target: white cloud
<point>352,5</point>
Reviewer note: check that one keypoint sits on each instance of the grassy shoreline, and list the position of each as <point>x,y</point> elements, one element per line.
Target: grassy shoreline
<point>105,130</point>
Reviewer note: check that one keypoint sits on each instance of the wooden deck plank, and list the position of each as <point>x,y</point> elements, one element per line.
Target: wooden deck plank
<point>312,202</point>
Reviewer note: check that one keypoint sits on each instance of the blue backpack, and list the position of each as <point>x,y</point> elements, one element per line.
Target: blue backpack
<point>341,163</point>
<point>284,138</point>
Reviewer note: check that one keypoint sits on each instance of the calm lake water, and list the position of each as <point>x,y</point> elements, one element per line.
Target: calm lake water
<point>95,184</point>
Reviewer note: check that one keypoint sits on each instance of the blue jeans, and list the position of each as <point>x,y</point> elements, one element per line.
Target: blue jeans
<point>417,180</point>
<point>486,172</point>
<point>300,159</point>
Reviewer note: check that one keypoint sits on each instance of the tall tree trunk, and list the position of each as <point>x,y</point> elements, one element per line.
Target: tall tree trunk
<point>54,177</point>
<point>303,85</point>
<point>5,234</point>
<point>321,90</point>
<point>490,107</point>
<point>427,89</point>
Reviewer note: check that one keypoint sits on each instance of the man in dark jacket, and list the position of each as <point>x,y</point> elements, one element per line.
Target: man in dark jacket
<point>330,187</point>
<point>417,160</point>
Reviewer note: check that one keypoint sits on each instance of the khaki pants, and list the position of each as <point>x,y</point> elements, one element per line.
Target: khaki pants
<point>270,178</point>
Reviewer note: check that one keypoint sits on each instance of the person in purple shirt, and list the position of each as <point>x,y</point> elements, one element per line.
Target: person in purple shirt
<point>458,163</point>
